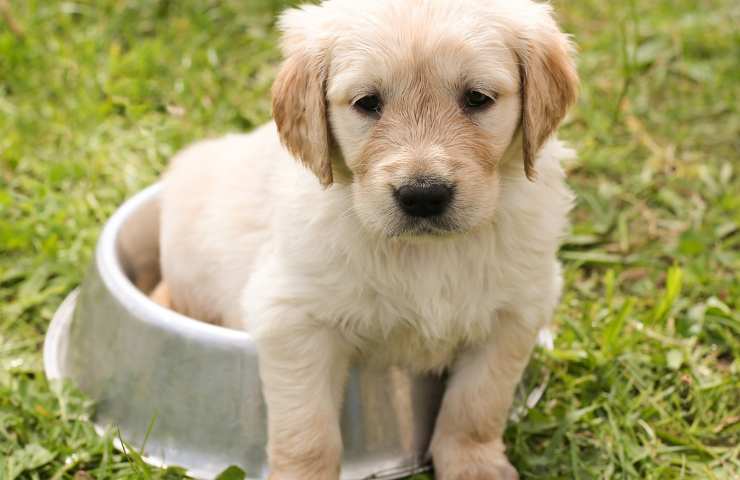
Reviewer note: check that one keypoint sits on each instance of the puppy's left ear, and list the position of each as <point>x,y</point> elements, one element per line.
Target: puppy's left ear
<point>549,84</point>
<point>299,95</point>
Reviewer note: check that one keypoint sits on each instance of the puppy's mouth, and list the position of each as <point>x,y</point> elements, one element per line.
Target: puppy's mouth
<point>425,227</point>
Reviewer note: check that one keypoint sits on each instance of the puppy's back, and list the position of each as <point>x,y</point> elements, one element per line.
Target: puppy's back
<point>216,207</point>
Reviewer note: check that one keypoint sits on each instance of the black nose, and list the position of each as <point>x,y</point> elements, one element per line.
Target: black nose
<point>424,199</point>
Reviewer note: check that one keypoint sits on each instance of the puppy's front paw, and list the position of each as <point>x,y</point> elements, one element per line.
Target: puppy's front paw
<point>502,471</point>
<point>318,463</point>
<point>303,475</point>
<point>471,460</point>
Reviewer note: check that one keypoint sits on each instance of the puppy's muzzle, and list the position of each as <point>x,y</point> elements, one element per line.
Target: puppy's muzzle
<point>423,199</point>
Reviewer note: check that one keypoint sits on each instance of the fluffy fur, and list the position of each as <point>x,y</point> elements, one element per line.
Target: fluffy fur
<point>321,264</point>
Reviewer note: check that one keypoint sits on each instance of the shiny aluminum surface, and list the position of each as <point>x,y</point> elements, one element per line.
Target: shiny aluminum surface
<point>198,384</point>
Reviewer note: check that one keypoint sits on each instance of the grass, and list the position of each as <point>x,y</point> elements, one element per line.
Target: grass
<point>643,381</point>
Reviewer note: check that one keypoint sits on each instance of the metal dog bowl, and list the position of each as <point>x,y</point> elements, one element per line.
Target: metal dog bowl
<point>192,389</point>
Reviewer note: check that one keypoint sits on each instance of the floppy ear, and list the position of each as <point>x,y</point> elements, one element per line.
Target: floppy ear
<point>299,104</point>
<point>549,86</point>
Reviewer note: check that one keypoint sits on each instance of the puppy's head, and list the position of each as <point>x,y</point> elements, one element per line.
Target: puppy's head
<point>417,104</point>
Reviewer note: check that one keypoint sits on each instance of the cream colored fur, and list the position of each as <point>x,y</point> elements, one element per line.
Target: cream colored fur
<point>323,268</point>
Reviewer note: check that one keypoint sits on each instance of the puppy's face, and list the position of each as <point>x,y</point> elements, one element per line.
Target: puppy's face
<point>422,124</point>
<point>415,104</point>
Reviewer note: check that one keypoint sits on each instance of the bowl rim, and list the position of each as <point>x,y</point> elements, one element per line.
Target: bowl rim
<point>118,285</point>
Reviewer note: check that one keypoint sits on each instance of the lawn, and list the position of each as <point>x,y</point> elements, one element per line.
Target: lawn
<point>644,379</point>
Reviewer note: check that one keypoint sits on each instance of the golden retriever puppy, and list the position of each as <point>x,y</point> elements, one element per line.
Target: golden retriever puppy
<point>419,225</point>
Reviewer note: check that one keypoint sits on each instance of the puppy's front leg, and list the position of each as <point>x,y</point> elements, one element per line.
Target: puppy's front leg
<point>467,442</point>
<point>303,370</point>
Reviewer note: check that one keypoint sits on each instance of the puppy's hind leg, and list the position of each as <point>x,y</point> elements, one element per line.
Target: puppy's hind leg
<point>161,295</point>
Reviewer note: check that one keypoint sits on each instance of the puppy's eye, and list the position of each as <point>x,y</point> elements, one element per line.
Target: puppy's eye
<point>370,104</point>
<point>476,100</point>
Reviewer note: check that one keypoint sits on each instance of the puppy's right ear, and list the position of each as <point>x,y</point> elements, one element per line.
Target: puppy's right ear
<point>299,95</point>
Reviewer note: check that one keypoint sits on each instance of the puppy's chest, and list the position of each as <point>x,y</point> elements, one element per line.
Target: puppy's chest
<point>421,313</point>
